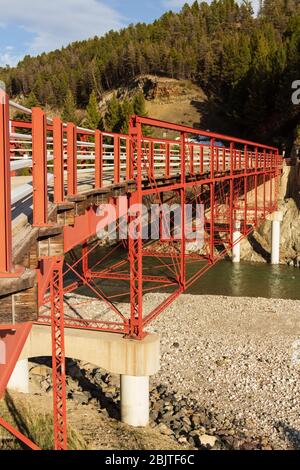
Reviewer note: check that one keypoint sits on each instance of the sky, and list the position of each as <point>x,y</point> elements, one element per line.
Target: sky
<point>36,26</point>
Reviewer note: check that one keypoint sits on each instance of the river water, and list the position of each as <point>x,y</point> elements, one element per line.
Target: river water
<point>249,280</point>
<point>225,278</point>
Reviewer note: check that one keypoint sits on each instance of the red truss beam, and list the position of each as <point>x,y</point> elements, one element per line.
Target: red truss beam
<point>58,354</point>
<point>31,445</point>
<point>135,244</point>
<point>226,181</point>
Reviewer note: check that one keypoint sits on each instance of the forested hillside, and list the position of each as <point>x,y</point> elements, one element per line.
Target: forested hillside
<point>246,64</point>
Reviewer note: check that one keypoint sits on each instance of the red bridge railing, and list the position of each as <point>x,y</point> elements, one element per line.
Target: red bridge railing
<point>62,158</point>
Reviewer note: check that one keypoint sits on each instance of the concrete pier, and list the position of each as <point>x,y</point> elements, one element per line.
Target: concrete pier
<point>19,380</point>
<point>236,249</point>
<point>135,400</point>
<point>135,361</point>
<point>277,218</point>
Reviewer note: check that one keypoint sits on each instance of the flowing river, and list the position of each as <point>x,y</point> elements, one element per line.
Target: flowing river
<point>225,278</point>
<point>249,280</point>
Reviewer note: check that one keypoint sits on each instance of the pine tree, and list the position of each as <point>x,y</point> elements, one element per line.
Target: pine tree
<point>113,115</point>
<point>69,110</point>
<point>246,64</point>
<point>32,101</point>
<point>139,108</point>
<point>38,88</point>
<point>139,104</point>
<point>126,111</point>
<point>93,114</point>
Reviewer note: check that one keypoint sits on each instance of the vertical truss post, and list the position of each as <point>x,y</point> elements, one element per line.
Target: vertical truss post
<point>256,187</point>
<point>58,152</point>
<point>117,159</point>
<point>191,159</point>
<point>245,204</point>
<point>182,279</point>
<point>72,158</point>
<point>271,181</point>
<point>265,160</point>
<point>136,269</point>
<point>217,159</point>
<point>264,183</point>
<point>98,159</point>
<point>245,188</point>
<point>12,146</point>
<point>168,160</point>
<point>5,189</point>
<point>201,159</point>
<point>246,158</point>
<point>151,159</point>
<point>58,355</point>
<point>212,200</point>
<point>277,174</point>
<point>85,260</point>
<point>39,168</point>
<point>212,222</point>
<point>231,196</point>
<point>129,174</point>
<point>135,242</point>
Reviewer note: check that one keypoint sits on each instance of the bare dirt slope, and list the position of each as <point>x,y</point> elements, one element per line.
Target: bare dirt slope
<point>93,428</point>
<point>177,101</point>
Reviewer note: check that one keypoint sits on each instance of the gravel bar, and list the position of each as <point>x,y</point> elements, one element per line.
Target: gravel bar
<point>233,356</point>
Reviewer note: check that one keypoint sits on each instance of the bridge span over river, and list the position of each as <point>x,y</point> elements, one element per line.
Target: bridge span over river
<point>54,176</point>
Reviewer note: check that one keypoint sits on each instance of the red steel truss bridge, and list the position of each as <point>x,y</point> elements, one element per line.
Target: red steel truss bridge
<point>54,177</point>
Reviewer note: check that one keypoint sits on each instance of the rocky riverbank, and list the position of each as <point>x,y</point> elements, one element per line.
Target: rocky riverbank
<point>172,414</point>
<point>257,247</point>
<point>238,358</point>
<point>229,374</point>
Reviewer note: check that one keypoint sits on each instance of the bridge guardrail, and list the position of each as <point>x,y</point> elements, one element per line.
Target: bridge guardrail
<point>59,158</point>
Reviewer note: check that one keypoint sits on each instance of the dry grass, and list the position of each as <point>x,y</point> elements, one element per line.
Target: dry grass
<point>88,428</point>
<point>37,426</point>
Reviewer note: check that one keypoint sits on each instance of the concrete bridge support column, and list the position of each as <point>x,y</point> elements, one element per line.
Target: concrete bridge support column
<point>236,249</point>
<point>135,361</point>
<point>19,380</point>
<point>135,400</point>
<point>277,218</point>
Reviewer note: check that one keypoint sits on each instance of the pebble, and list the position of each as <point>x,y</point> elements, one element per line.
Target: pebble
<point>206,440</point>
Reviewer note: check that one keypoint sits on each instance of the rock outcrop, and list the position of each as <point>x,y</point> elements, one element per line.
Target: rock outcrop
<point>257,247</point>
